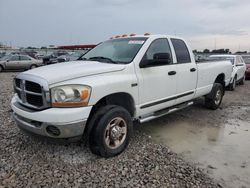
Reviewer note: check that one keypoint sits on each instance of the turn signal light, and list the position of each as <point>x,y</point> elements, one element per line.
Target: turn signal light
<point>117,36</point>
<point>124,35</point>
<point>132,34</point>
<point>146,34</point>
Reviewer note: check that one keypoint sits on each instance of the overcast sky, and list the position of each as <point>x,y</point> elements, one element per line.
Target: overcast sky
<point>204,23</point>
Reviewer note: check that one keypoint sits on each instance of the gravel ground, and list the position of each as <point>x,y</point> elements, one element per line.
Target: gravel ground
<point>29,162</point>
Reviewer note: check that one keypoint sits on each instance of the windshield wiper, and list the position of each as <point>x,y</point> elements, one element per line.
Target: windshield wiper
<point>102,58</point>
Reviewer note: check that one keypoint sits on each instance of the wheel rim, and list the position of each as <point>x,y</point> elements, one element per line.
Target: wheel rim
<point>115,133</point>
<point>32,67</point>
<point>218,97</point>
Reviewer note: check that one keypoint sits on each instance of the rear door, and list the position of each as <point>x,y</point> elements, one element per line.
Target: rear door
<point>241,68</point>
<point>186,72</point>
<point>25,62</point>
<point>158,85</point>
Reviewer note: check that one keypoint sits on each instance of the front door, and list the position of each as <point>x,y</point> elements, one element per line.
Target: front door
<point>13,62</point>
<point>158,85</point>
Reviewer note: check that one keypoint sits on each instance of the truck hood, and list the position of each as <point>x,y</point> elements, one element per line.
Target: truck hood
<point>70,70</point>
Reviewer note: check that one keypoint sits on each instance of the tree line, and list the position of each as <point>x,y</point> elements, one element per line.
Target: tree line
<point>219,51</point>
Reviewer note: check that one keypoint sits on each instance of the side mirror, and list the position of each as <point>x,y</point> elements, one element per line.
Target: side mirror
<point>158,60</point>
<point>7,60</point>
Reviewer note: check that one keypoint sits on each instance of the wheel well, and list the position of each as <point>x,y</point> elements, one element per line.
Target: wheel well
<point>122,99</point>
<point>220,79</point>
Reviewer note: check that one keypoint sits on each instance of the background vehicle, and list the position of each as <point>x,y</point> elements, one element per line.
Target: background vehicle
<point>52,58</point>
<point>18,62</point>
<point>118,81</point>
<point>247,61</point>
<point>68,57</point>
<point>239,68</point>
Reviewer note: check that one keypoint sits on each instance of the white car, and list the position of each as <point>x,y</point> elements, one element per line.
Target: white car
<point>120,80</point>
<point>239,68</point>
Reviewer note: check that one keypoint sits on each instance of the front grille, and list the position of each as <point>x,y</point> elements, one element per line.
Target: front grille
<point>34,100</point>
<point>18,83</point>
<point>32,86</point>
<point>31,94</point>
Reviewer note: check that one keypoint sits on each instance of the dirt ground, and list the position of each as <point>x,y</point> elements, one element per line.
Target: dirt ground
<point>29,162</point>
<point>195,147</point>
<point>217,141</point>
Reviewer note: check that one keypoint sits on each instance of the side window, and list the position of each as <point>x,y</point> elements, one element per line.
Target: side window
<point>181,51</point>
<point>158,46</point>
<point>24,58</point>
<point>14,58</point>
<point>241,60</point>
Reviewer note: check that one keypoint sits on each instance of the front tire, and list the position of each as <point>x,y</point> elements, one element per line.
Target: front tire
<point>1,68</point>
<point>111,132</point>
<point>242,82</point>
<point>214,99</point>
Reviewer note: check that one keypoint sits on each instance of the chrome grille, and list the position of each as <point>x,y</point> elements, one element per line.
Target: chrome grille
<point>32,92</point>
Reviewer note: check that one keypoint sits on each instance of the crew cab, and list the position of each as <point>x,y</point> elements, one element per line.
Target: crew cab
<point>238,71</point>
<point>121,80</point>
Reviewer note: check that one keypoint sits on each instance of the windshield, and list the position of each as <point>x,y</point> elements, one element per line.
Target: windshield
<point>246,59</point>
<point>120,51</point>
<point>222,58</point>
<point>4,58</point>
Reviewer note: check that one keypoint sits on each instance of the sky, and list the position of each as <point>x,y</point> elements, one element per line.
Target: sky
<point>204,23</point>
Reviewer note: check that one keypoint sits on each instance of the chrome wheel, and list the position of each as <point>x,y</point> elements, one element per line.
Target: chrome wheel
<point>218,97</point>
<point>115,133</point>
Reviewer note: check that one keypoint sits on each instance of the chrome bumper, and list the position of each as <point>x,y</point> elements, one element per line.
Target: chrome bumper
<point>53,130</point>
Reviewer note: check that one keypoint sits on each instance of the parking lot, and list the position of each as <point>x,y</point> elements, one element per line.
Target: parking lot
<point>163,152</point>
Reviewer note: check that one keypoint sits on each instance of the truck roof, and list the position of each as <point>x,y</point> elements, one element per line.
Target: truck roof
<point>152,36</point>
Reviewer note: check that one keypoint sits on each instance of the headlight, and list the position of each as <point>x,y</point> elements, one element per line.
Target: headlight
<point>70,96</point>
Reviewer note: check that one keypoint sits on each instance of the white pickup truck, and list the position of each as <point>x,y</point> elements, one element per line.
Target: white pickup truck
<point>119,81</point>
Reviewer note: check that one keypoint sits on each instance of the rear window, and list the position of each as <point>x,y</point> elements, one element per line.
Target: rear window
<point>246,59</point>
<point>181,51</point>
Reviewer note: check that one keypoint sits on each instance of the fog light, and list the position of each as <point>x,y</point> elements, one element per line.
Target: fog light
<point>52,130</point>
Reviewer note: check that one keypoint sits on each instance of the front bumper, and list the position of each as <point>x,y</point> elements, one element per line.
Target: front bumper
<point>52,122</point>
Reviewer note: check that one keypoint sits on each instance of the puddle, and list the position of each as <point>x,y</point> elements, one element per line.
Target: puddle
<point>223,150</point>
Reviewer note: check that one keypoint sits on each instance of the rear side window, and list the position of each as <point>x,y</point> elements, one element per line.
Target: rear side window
<point>181,51</point>
<point>24,58</point>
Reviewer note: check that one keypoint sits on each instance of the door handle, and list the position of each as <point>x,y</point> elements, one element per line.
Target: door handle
<point>170,73</point>
<point>192,69</point>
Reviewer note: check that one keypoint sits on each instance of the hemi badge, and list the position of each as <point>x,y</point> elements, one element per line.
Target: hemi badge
<point>134,85</point>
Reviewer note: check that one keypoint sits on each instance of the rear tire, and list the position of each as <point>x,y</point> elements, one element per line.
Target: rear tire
<point>214,99</point>
<point>242,82</point>
<point>111,131</point>
<point>232,86</point>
